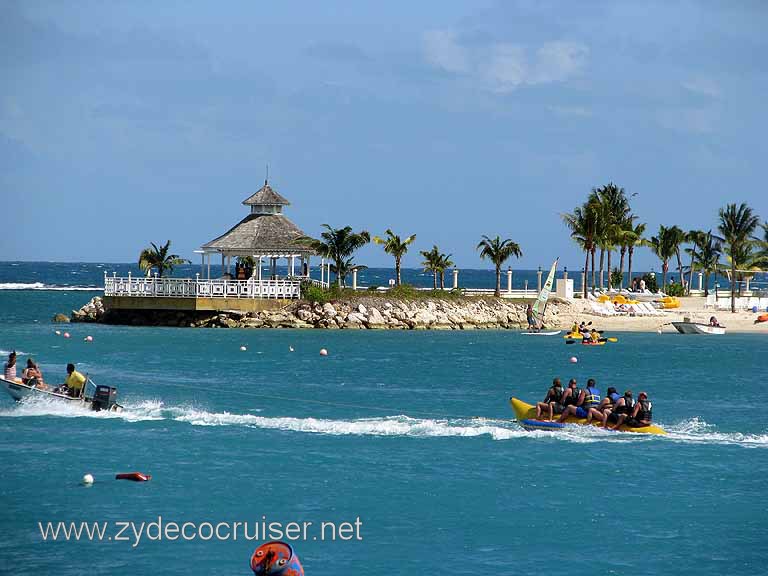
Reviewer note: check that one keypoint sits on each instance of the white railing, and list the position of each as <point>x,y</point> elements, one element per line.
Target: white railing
<point>151,286</point>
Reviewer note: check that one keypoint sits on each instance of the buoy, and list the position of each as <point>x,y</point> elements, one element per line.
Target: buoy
<point>66,334</point>
<point>57,332</point>
<point>135,476</point>
<point>323,352</point>
<point>243,348</point>
<point>659,331</point>
<point>88,479</point>
<point>573,360</point>
<point>277,558</point>
<point>290,348</point>
<point>88,338</point>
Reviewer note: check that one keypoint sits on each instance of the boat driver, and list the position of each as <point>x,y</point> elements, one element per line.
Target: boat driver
<point>74,382</point>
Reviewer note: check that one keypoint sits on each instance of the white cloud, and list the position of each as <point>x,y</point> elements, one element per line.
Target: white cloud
<point>704,86</point>
<point>505,69</point>
<point>559,61</point>
<point>442,51</point>
<point>577,111</point>
<point>501,66</point>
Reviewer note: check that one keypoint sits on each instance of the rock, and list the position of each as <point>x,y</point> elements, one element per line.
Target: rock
<point>375,318</point>
<point>305,315</point>
<point>328,310</point>
<point>355,318</point>
<point>362,309</point>
<point>63,318</point>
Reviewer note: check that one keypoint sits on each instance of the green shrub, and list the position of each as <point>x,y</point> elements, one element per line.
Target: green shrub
<point>616,278</point>
<point>313,293</point>
<point>675,290</point>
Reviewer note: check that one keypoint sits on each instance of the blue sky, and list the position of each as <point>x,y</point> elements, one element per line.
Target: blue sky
<point>128,122</point>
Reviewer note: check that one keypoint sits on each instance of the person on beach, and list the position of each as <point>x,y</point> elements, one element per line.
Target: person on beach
<point>74,382</point>
<point>642,285</point>
<point>10,368</point>
<point>552,401</point>
<point>32,375</point>
<point>602,411</point>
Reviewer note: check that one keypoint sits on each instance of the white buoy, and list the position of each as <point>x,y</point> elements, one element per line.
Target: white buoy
<point>88,479</point>
<point>323,352</point>
<point>88,338</point>
<point>573,360</point>
<point>290,348</point>
<point>243,348</point>
<point>57,332</point>
<point>659,331</point>
<point>66,334</point>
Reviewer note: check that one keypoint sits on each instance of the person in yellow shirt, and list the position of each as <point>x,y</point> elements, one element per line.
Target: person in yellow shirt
<point>74,382</point>
<point>594,336</point>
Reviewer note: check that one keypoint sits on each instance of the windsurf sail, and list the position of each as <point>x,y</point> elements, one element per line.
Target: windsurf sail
<point>540,306</point>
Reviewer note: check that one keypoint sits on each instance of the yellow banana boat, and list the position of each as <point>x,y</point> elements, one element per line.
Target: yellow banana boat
<point>526,417</point>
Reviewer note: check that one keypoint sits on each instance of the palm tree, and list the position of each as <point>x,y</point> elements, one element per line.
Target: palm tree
<point>676,237</point>
<point>760,259</point>
<point>737,226</point>
<point>663,247</point>
<point>498,251</point>
<point>396,247</point>
<point>338,245</point>
<point>158,257</point>
<point>709,257</point>
<point>633,238</point>
<point>615,210</point>
<point>437,263</point>
<point>625,235</point>
<point>432,263</point>
<point>445,262</point>
<point>583,226</point>
<point>695,238</point>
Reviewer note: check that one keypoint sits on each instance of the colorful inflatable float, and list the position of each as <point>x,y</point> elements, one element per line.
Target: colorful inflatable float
<point>526,417</point>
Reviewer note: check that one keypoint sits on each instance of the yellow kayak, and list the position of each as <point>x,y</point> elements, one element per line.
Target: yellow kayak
<point>526,416</point>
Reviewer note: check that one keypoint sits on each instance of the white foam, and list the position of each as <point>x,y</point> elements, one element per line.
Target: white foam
<point>693,431</point>
<point>697,431</point>
<point>41,286</point>
<point>385,426</point>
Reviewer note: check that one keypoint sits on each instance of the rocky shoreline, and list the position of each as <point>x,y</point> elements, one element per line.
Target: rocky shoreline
<point>364,312</point>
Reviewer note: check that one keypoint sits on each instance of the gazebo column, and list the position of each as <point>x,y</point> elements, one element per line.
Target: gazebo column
<point>223,261</point>
<point>322,271</point>
<point>209,265</point>
<point>293,265</point>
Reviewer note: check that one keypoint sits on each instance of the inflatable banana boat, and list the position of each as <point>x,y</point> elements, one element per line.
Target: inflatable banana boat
<point>526,417</point>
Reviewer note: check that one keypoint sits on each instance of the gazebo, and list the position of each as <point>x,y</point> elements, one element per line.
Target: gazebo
<point>266,233</point>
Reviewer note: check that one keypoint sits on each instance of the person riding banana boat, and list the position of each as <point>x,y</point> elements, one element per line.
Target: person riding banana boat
<point>602,411</point>
<point>640,414</point>
<point>552,401</point>
<point>588,398</point>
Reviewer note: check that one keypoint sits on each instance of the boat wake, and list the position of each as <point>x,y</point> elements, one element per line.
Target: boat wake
<point>693,431</point>
<point>41,286</point>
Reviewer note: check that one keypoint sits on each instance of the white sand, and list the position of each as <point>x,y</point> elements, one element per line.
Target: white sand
<point>692,307</point>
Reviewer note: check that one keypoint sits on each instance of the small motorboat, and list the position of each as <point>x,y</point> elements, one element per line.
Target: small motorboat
<point>103,397</point>
<point>526,417</point>
<point>688,327</point>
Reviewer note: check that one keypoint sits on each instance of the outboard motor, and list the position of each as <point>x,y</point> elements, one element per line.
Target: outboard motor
<point>105,398</point>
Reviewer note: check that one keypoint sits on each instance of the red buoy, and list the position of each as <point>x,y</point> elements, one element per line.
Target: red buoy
<point>135,476</point>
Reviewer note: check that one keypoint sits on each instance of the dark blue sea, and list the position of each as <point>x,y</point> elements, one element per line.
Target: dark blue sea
<point>407,434</point>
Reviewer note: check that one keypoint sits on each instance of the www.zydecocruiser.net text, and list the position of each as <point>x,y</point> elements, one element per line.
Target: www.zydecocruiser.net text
<point>161,530</point>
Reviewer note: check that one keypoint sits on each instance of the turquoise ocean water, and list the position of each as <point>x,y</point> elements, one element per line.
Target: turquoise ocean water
<point>409,431</point>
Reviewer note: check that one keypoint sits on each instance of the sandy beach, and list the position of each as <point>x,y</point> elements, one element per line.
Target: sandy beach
<point>692,307</point>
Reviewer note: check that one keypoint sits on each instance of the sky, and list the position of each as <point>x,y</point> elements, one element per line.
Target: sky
<point>124,123</point>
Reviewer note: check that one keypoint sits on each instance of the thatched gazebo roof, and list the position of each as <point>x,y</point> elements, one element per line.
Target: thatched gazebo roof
<point>266,196</point>
<point>260,234</point>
